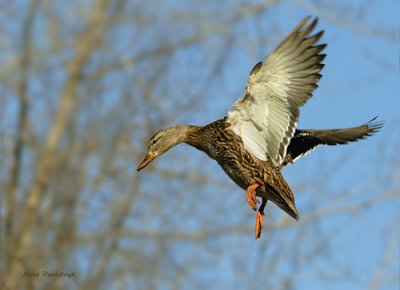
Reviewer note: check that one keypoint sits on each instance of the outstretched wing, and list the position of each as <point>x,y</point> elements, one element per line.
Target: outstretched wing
<point>305,141</point>
<point>266,116</point>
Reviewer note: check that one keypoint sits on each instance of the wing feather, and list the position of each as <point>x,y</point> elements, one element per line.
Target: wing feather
<point>266,116</point>
<point>305,141</point>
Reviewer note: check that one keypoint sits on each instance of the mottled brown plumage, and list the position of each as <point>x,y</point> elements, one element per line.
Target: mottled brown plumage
<point>259,136</point>
<point>221,144</point>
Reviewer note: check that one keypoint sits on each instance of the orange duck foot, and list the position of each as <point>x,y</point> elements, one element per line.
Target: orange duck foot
<point>259,218</point>
<point>251,195</point>
<point>259,224</point>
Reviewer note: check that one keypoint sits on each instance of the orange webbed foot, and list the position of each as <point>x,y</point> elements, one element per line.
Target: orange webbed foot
<point>251,195</point>
<point>259,224</point>
<point>259,218</point>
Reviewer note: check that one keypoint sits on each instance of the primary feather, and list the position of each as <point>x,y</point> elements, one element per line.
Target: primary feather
<point>266,116</point>
<point>305,141</point>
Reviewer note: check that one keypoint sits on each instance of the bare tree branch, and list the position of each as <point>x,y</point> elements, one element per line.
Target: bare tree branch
<point>88,85</point>
<point>47,158</point>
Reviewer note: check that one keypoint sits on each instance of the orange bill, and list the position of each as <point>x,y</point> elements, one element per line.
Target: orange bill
<point>147,159</point>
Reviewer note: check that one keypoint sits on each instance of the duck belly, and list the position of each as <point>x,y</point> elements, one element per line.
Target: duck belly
<point>242,175</point>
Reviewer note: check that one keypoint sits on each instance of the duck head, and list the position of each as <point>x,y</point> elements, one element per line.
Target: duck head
<point>162,141</point>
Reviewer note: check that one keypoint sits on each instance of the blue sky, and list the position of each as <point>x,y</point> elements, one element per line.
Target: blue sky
<point>342,250</point>
<point>360,81</point>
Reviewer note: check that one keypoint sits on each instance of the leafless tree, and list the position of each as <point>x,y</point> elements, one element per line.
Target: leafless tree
<point>84,84</point>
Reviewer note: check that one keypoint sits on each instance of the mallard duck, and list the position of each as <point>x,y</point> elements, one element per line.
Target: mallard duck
<point>259,136</point>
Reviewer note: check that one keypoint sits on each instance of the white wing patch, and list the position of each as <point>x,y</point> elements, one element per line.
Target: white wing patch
<point>266,116</point>
<point>251,137</point>
<point>305,153</point>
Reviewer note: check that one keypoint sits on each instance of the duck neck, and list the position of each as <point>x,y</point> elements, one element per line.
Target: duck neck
<point>187,133</point>
<point>195,137</point>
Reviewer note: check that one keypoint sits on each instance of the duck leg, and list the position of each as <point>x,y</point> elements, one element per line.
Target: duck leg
<point>251,195</point>
<point>259,218</point>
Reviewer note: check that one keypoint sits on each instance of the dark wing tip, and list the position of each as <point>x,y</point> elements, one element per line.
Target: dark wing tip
<point>304,22</point>
<point>374,126</point>
<point>317,36</point>
<point>313,24</point>
<point>305,28</point>
<point>256,68</point>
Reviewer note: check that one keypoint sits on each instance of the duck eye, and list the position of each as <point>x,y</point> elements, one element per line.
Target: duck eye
<point>154,141</point>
